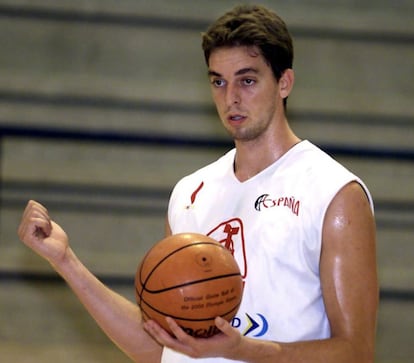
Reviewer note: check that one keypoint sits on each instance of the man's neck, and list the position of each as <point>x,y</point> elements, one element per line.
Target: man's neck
<point>254,156</point>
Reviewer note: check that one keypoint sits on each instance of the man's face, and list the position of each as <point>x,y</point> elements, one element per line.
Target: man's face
<point>245,91</point>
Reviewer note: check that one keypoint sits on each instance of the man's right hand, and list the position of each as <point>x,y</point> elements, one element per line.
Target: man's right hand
<point>41,234</point>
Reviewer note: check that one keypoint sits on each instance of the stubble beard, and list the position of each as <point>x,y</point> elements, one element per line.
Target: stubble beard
<point>248,132</point>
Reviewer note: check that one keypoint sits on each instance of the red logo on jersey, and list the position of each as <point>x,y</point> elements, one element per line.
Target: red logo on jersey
<point>231,234</point>
<point>194,195</point>
<point>264,201</point>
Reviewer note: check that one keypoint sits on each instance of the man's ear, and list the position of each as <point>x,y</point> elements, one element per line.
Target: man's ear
<point>286,82</point>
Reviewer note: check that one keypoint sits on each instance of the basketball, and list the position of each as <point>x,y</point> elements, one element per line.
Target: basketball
<point>191,278</point>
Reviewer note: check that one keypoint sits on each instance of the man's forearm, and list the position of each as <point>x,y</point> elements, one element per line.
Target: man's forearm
<point>118,317</point>
<point>333,350</point>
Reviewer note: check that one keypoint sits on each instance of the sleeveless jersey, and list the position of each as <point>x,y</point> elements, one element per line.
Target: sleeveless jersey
<point>272,223</point>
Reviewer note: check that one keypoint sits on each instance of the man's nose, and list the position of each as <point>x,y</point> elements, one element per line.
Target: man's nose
<point>232,95</point>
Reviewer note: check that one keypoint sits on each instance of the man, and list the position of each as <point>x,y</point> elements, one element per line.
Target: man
<point>299,224</point>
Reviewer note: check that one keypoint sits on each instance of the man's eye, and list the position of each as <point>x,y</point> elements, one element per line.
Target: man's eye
<point>218,82</point>
<point>248,81</point>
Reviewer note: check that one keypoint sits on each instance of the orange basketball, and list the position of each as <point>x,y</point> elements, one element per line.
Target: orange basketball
<point>190,278</point>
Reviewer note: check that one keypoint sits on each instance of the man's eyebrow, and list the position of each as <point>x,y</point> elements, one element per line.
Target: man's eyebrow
<point>240,72</point>
<point>246,70</point>
<point>213,73</point>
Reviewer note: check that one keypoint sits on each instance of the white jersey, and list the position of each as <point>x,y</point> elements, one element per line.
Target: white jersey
<point>272,223</point>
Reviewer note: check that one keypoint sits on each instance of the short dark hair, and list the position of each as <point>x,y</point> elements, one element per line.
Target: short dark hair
<point>252,25</point>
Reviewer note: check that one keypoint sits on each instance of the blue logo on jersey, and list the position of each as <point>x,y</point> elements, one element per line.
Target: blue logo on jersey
<point>256,327</point>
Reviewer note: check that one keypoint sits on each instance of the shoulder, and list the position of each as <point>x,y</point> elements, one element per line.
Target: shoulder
<point>328,175</point>
<point>213,171</point>
<point>316,159</point>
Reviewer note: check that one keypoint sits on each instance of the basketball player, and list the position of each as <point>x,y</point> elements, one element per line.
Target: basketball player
<point>300,225</point>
